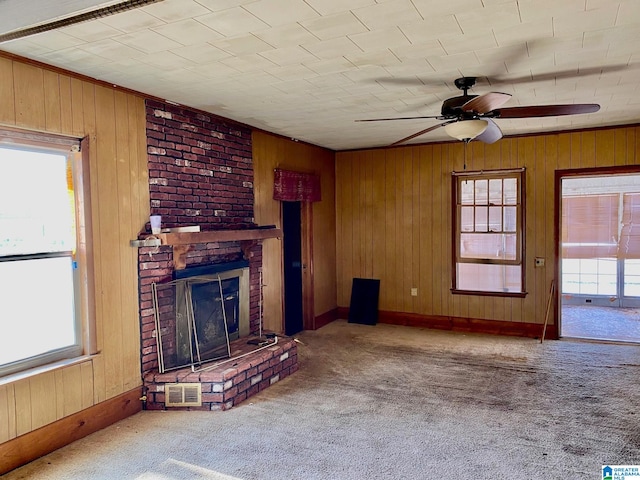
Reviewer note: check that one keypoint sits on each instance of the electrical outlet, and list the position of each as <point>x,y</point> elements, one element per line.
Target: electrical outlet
<point>539,262</point>
<point>414,292</point>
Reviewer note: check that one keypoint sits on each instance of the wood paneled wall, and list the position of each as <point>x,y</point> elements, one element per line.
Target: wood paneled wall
<point>394,217</point>
<point>270,152</point>
<point>39,99</point>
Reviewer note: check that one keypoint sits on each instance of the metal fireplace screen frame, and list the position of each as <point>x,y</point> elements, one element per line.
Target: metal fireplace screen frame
<point>179,336</point>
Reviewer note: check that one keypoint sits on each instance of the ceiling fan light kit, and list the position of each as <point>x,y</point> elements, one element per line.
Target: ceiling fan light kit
<point>466,130</point>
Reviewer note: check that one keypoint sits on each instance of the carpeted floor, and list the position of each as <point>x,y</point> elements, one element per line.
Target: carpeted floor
<point>389,402</point>
<point>605,323</point>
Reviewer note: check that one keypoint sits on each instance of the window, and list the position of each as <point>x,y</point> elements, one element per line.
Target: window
<point>42,271</point>
<point>488,232</point>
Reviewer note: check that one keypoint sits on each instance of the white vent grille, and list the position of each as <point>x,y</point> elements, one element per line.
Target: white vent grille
<point>183,394</point>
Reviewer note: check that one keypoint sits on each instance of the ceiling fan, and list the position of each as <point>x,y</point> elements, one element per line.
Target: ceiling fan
<point>470,117</point>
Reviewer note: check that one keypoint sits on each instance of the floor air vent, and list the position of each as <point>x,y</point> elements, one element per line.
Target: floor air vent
<point>183,394</point>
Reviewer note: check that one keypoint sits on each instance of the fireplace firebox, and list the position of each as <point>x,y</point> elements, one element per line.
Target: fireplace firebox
<point>200,312</point>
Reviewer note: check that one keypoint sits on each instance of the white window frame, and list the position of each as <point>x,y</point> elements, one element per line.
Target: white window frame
<point>457,258</point>
<point>76,151</point>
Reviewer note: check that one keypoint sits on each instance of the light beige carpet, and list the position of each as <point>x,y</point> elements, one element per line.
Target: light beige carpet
<point>388,402</point>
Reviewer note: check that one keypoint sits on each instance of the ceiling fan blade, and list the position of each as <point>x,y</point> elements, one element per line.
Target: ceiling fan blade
<point>487,102</point>
<point>545,110</point>
<point>421,132</point>
<point>397,118</point>
<point>492,134</point>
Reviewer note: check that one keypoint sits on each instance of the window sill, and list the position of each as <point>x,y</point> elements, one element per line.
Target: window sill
<point>489,294</point>
<point>33,372</point>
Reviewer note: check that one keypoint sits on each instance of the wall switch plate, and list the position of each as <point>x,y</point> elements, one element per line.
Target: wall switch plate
<point>414,292</point>
<point>539,262</point>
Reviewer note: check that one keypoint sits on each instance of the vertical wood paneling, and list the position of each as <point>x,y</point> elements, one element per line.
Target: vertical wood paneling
<point>28,84</point>
<point>72,389</point>
<point>378,241</point>
<point>52,114</point>
<point>42,387</point>
<point>437,247</point>
<point>412,219</point>
<point>38,99</point>
<point>5,398</point>
<point>110,271</point>
<point>23,413</point>
<point>269,152</point>
<point>66,109</point>
<point>7,92</point>
<point>81,101</point>
<point>127,212</point>
<point>86,382</point>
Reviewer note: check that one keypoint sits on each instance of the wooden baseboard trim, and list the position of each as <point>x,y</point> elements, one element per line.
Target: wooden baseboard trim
<point>33,445</point>
<point>325,319</point>
<point>460,324</point>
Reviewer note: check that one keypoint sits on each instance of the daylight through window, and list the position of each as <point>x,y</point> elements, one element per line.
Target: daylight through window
<point>38,256</point>
<point>488,234</point>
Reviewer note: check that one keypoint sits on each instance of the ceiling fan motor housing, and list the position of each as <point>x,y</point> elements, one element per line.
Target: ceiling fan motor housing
<point>452,107</point>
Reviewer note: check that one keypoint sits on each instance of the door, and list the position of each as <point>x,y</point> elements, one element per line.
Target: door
<point>600,256</point>
<point>292,258</point>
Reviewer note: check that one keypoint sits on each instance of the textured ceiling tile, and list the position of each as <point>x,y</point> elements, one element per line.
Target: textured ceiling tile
<point>291,72</point>
<point>248,63</point>
<point>548,46</point>
<point>489,17</point>
<point>76,57</point>
<point>431,29</point>
<point>147,41</point>
<point>242,45</point>
<point>589,20</point>
<point>288,56</point>
<point>132,21</point>
<point>176,10</point>
<point>214,70</point>
<point>330,66</point>
<point>384,58</point>
<point>461,61</point>
<point>377,40</point>
<point>524,32</point>
<point>219,5</point>
<point>111,49</point>
<point>327,7</point>
<point>336,47</point>
<point>281,12</point>
<point>334,26</point>
<point>55,40</point>
<point>287,35</point>
<point>26,48</point>
<point>166,60</point>
<point>201,53</point>
<point>188,32</point>
<point>395,12</point>
<point>629,13</point>
<point>91,31</point>
<point>419,51</point>
<point>468,43</point>
<point>431,8</point>
<point>536,10</point>
<point>234,21</point>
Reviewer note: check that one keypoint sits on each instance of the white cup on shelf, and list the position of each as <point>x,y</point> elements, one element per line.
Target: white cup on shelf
<point>156,223</point>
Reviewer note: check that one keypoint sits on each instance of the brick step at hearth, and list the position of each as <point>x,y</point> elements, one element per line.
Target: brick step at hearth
<point>228,382</point>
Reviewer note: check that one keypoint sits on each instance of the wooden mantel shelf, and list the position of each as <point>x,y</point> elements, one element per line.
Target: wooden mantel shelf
<point>182,242</point>
<point>190,238</point>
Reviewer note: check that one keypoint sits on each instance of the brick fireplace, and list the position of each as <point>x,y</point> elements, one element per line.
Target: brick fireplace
<point>201,173</point>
